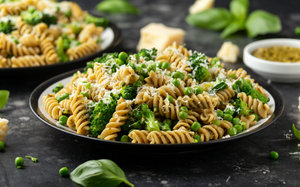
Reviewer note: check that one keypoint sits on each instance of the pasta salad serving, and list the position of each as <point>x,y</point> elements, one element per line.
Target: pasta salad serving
<point>44,32</point>
<point>177,96</point>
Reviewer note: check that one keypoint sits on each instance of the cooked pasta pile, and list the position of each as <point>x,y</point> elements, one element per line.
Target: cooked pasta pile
<point>44,32</point>
<point>178,96</point>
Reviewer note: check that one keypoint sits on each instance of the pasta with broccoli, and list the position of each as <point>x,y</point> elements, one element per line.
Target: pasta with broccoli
<point>140,98</point>
<point>45,32</point>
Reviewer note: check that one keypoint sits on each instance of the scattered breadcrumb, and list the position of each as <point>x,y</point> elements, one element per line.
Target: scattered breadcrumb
<point>201,5</point>
<point>229,52</point>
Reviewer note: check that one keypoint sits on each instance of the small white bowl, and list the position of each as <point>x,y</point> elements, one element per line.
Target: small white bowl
<point>275,71</point>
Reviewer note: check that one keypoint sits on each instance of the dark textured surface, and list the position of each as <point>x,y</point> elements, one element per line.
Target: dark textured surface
<point>243,162</point>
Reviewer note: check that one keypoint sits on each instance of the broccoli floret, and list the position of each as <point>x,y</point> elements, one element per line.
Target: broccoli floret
<point>105,58</point>
<point>198,63</point>
<point>130,91</point>
<point>142,118</point>
<point>101,114</point>
<point>245,85</point>
<point>97,21</point>
<point>57,88</point>
<point>148,54</point>
<point>241,107</point>
<point>6,26</point>
<point>33,17</point>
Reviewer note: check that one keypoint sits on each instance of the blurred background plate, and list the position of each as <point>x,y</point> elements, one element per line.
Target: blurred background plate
<point>111,37</point>
<point>36,105</point>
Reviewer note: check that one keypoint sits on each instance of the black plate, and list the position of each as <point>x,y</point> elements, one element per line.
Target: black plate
<point>55,69</point>
<point>169,148</point>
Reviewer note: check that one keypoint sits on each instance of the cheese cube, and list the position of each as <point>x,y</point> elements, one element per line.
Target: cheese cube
<point>159,36</point>
<point>201,5</point>
<point>3,129</point>
<point>229,52</point>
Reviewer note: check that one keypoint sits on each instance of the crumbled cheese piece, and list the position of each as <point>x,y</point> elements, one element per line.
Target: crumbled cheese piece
<point>3,129</point>
<point>159,36</point>
<point>229,52</point>
<point>201,5</point>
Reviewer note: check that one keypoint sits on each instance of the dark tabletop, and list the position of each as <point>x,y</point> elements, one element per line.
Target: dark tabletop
<point>243,162</point>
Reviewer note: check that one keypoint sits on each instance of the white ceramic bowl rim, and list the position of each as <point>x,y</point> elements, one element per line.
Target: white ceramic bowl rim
<point>272,42</point>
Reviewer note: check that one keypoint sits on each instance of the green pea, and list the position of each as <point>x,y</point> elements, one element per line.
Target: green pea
<point>184,109</point>
<point>178,75</point>
<point>274,155</point>
<point>190,76</point>
<point>19,162</point>
<point>119,62</point>
<point>64,172</point>
<point>220,113</point>
<point>188,91</point>
<point>229,111</point>
<point>159,65</point>
<point>244,125</point>
<point>232,131</point>
<point>228,117</point>
<point>2,146</point>
<point>143,66</point>
<point>137,57</point>
<point>151,68</point>
<point>123,56</point>
<point>170,98</point>
<point>63,120</point>
<point>236,121</point>
<point>217,122</point>
<point>166,65</point>
<point>197,138</point>
<point>199,90</point>
<point>239,128</point>
<point>195,126</point>
<point>176,82</point>
<point>183,115</point>
<point>68,14</point>
<point>124,138</point>
<point>234,86</point>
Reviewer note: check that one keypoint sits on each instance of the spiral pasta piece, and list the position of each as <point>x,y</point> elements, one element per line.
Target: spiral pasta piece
<point>254,104</point>
<point>79,111</point>
<point>14,8</point>
<point>29,40</point>
<point>71,123</point>
<point>171,137</point>
<point>49,51</point>
<point>210,132</point>
<point>187,123</point>
<point>173,91</point>
<point>83,50</point>
<point>249,120</point>
<point>199,102</point>
<point>225,95</point>
<point>207,116</point>
<point>155,79</point>
<point>66,106</point>
<point>27,61</point>
<point>125,75</point>
<point>118,119</point>
<point>166,109</point>
<point>52,106</point>
<point>139,136</point>
<point>4,62</point>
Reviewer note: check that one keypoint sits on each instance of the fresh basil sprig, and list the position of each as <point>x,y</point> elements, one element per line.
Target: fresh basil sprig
<point>117,7</point>
<point>4,94</point>
<point>213,19</point>
<point>259,22</point>
<point>262,22</point>
<point>96,173</point>
<point>296,132</point>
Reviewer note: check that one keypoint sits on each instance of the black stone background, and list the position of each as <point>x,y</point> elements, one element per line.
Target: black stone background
<point>240,163</point>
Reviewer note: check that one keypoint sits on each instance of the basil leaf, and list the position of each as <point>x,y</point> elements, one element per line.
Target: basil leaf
<point>96,173</point>
<point>213,19</point>
<point>4,94</point>
<point>118,7</point>
<point>220,86</point>
<point>261,22</point>
<point>239,9</point>
<point>296,132</point>
<point>232,28</point>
